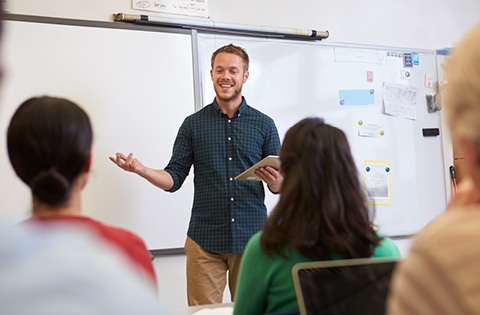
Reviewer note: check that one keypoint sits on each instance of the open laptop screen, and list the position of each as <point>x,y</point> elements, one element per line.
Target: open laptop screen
<point>353,286</point>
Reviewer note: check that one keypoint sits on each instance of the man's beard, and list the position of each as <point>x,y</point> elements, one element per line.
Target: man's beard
<point>235,94</point>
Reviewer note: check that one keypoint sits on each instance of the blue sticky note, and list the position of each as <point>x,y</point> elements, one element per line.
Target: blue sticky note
<point>415,59</point>
<point>444,51</point>
<point>356,97</point>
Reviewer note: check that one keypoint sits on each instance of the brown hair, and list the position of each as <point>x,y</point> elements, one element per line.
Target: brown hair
<point>322,209</point>
<point>232,49</point>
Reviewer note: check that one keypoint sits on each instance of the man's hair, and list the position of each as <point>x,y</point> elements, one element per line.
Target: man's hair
<point>232,49</point>
<point>462,90</point>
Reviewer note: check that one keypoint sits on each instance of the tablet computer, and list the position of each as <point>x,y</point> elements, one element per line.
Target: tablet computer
<point>249,174</point>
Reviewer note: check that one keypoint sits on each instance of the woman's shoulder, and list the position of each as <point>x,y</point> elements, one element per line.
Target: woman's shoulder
<point>253,243</point>
<point>386,248</point>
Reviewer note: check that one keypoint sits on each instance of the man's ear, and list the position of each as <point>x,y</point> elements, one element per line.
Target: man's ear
<point>245,76</point>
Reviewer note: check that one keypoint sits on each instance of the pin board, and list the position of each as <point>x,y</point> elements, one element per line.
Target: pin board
<point>137,87</point>
<point>376,95</point>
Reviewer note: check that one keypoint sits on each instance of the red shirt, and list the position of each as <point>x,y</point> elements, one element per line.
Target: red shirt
<point>126,241</point>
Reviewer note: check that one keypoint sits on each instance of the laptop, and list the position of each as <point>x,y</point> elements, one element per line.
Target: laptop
<point>352,286</point>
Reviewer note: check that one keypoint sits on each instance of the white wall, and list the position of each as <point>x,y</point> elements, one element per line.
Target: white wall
<point>428,24</point>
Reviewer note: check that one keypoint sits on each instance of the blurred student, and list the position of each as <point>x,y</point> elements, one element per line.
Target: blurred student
<point>69,270</point>
<point>49,142</point>
<point>321,215</point>
<point>66,270</point>
<point>441,273</point>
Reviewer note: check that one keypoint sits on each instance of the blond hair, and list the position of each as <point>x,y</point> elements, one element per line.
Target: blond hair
<point>462,90</point>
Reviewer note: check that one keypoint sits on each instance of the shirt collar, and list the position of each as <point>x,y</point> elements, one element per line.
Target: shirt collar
<point>241,110</point>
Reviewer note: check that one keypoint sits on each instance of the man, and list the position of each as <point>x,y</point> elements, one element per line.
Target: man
<point>440,275</point>
<point>220,141</point>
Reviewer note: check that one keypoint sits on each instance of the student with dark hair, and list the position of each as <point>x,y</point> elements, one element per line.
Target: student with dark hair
<point>321,215</point>
<point>49,142</point>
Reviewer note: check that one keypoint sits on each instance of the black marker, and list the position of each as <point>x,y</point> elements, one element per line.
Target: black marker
<point>454,178</point>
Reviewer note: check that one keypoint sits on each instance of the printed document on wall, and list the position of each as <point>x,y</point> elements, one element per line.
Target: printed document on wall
<point>400,100</point>
<point>378,183</point>
<point>197,8</point>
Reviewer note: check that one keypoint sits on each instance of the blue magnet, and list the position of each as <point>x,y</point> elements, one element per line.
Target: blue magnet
<point>368,169</point>
<point>372,91</point>
<point>387,169</point>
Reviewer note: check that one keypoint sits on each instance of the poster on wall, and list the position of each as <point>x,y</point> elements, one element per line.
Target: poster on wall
<point>378,182</point>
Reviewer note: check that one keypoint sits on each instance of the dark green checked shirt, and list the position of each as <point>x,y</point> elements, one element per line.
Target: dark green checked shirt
<point>225,213</point>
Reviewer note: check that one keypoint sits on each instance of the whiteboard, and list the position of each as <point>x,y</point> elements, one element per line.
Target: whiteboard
<point>290,80</point>
<point>137,87</point>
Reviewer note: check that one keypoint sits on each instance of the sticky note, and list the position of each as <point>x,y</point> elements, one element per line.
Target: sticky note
<point>407,60</point>
<point>415,59</point>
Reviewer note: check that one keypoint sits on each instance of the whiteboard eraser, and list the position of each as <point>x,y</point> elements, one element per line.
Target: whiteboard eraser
<point>430,132</point>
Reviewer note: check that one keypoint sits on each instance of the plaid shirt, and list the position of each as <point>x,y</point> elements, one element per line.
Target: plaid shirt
<point>225,213</point>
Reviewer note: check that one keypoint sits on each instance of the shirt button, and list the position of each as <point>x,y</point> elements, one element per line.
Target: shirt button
<point>229,138</point>
<point>229,158</point>
<point>233,220</point>
<point>231,178</point>
<point>232,199</point>
<point>229,121</point>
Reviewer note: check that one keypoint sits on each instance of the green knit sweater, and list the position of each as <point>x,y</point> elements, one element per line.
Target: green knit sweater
<point>265,283</point>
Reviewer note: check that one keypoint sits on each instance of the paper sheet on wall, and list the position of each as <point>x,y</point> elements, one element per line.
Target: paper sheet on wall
<point>377,180</point>
<point>348,54</point>
<point>198,8</point>
<point>356,97</point>
<point>400,100</point>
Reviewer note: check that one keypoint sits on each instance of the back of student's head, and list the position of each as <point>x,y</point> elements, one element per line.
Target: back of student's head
<point>322,207</point>
<point>49,141</point>
<point>462,91</point>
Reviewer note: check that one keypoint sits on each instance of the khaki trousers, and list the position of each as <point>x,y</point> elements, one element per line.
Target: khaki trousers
<point>207,274</point>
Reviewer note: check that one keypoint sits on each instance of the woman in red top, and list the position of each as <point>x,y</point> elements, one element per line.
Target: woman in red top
<point>49,143</point>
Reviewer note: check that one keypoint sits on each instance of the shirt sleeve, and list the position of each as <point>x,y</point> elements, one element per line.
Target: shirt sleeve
<point>272,141</point>
<point>182,156</point>
<point>421,286</point>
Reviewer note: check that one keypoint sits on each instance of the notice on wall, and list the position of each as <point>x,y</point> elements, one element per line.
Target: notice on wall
<point>198,8</point>
<point>400,100</point>
<point>377,180</point>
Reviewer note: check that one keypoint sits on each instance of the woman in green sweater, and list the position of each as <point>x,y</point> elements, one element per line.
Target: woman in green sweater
<point>321,215</point>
